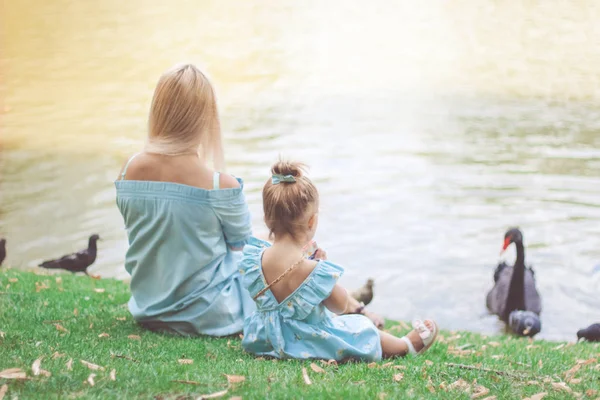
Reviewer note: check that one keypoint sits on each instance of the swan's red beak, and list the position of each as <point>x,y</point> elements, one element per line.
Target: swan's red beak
<point>505,245</point>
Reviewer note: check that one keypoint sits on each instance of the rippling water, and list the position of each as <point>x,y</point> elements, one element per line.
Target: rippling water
<point>430,129</point>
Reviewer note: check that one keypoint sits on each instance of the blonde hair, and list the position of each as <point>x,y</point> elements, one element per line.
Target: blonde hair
<point>183,116</point>
<point>285,204</point>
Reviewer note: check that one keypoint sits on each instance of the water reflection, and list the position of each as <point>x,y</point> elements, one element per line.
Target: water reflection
<point>429,130</point>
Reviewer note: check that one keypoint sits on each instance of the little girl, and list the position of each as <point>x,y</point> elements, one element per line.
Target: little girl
<point>296,296</point>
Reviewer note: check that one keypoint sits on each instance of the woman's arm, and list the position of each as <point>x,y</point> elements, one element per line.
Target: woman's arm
<point>234,216</point>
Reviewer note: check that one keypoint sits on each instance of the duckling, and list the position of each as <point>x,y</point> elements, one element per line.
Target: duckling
<point>365,293</point>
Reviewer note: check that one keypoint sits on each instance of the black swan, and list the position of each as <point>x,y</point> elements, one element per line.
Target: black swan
<point>76,262</point>
<point>591,333</point>
<point>514,290</point>
<point>2,250</point>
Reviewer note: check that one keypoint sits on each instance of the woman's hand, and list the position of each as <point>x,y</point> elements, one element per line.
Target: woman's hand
<point>377,320</point>
<point>320,254</point>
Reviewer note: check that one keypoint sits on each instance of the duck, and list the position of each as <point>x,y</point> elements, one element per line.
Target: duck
<point>76,262</point>
<point>364,294</point>
<point>591,333</point>
<point>515,290</point>
<point>524,323</point>
<point>2,250</point>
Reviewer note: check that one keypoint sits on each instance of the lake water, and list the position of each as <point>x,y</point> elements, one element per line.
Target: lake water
<point>429,130</point>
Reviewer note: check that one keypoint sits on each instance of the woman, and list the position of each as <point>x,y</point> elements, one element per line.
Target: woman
<point>186,223</point>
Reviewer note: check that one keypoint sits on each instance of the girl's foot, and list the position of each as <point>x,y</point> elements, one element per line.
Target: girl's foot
<point>422,337</point>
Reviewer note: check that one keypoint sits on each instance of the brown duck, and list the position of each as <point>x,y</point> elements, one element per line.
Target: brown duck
<point>365,293</point>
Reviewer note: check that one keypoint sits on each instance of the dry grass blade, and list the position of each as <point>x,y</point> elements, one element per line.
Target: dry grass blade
<point>13,373</point>
<point>232,379</point>
<point>70,364</point>
<point>90,379</point>
<point>103,335</point>
<point>91,366</point>
<point>571,373</point>
<point>188,382</point>
<point>305,376</point>
<point>3,391</point>
<point>490,398</point>
<point>213,395</point>
<point>316,368</point>
<point>113,375</point>
<point>99,290</point>
<point>185,361</point>
<point>57,355</point>
<point>561,386</point>
<point>61,328</point>
<point>493,344</point>
<point>460,384</point>
<point>479,392</point>
<point>36,366</point>
<point>372,365</point>
<point>429,363</point>
<point>591,392</point>
<point>430,386</point>
<point>398,377</point>
<point>587,362</point>
<point>134,337</point>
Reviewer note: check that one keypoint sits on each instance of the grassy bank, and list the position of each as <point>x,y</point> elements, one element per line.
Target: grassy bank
<point>77,324</point>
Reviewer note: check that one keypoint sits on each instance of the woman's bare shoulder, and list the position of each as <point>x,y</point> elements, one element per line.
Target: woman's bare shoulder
<point>227,181</point>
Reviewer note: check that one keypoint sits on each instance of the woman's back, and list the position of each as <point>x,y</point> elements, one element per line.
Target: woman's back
<point>183,222</point>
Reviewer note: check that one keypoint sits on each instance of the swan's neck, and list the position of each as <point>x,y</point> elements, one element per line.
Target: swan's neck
<point>516,291</point>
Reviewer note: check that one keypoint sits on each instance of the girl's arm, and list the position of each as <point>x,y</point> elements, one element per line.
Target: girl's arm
<point>340,302</point>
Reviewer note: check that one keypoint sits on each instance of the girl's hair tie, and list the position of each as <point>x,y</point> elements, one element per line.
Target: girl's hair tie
<point>277,179</point>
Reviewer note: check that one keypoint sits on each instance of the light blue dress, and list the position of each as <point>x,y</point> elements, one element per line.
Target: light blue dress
<point>184,276</point>
<point>300,326</point>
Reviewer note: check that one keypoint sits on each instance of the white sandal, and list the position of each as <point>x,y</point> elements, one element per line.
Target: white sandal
<point>427,336</point>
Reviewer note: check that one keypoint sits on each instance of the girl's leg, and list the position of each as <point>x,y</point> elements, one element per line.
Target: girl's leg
<point>393,346</point>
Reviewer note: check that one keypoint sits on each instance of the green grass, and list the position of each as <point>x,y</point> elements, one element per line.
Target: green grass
<point>148,366</point>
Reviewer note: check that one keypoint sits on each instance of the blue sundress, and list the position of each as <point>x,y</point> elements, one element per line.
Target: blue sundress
<point>301,326</point>
<point>184,273</point>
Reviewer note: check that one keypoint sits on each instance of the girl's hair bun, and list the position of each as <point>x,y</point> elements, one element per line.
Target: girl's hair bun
<point>294,169</point>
